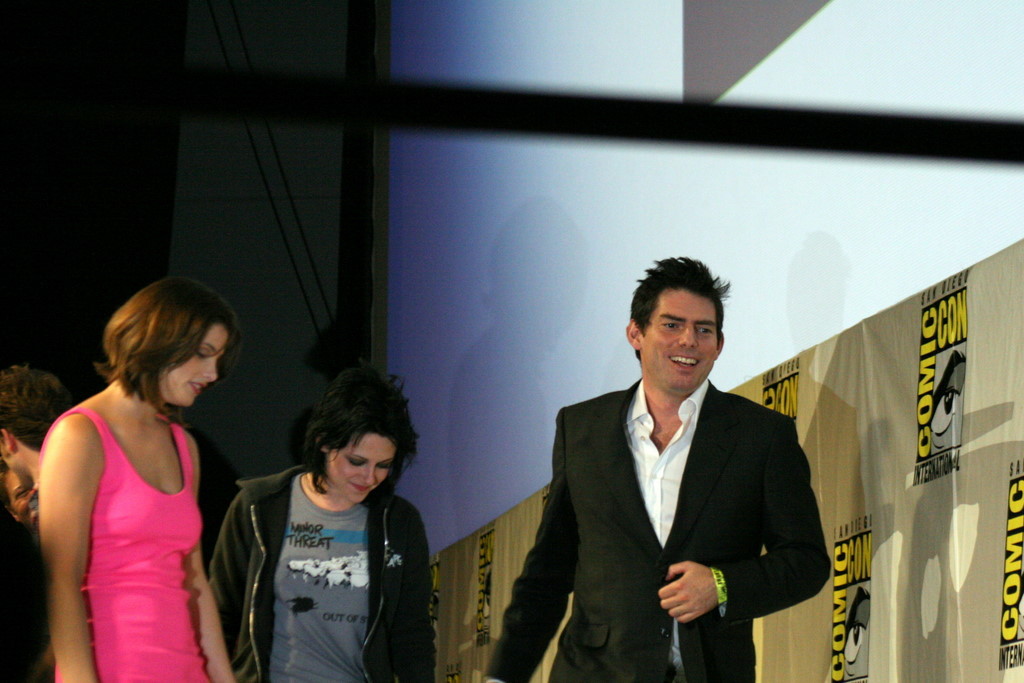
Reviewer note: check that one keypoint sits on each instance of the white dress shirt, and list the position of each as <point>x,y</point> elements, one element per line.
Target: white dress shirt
<point>660,475</point>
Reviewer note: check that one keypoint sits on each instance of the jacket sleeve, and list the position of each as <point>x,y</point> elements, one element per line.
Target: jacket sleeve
<point>229,569</point>
<point>412,633</point>
<point>795,564</point>
<point>540,594</point>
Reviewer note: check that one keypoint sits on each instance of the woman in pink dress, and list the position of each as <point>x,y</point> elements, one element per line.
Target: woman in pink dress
<point>119,523</point>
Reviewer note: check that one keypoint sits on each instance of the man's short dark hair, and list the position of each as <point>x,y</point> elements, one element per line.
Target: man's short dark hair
<point>677,273</point>
<point>30,400</point>
<point>360,401</point>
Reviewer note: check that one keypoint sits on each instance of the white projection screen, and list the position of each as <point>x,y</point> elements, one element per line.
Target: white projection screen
<point>512,258</point>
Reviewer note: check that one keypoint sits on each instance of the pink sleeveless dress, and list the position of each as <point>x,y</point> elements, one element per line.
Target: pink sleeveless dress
<point>139,610</point>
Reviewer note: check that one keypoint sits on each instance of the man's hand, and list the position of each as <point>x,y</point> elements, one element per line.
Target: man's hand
<point>690,594</point>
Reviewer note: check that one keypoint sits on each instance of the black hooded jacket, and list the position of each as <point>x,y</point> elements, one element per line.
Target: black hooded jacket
<point>400,638</point>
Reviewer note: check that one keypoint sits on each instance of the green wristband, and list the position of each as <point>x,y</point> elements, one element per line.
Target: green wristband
<point>723,594</point>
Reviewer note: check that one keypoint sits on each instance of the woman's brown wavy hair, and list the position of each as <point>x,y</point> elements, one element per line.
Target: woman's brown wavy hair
<point>158,329</point>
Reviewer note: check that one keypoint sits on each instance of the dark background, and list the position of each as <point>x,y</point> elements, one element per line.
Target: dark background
<point>86,205</point>
<point>88,208</point>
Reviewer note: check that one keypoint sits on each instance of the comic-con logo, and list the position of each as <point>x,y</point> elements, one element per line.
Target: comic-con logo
<point>453,673</point>
<point>851,607</point>
<point>1011,630</point>
<point>485,559</point>
<point>941,376</point>
<point>779,388</point>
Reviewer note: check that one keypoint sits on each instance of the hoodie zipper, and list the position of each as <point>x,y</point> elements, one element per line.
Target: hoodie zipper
<point>380,604</point>
<point>255,587</point>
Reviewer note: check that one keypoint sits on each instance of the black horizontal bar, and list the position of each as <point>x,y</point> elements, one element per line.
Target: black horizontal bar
<point>138,98</point>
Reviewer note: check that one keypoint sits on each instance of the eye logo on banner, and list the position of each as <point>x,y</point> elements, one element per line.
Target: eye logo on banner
<point>1011,630</point>
<point>483,601</point>
<point>942,374</point>
<point>851,601</point>
<point>435,589</point>
<point>453,674</point>
<point>779,388</point>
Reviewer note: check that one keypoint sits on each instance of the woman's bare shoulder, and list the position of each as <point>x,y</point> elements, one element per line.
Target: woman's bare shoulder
<point>74,433</point>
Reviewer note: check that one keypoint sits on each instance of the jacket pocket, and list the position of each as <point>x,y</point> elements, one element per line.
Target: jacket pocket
<point>592,635</point>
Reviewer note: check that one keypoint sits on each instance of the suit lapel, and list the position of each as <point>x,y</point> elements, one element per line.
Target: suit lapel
<point>713,445</point>
<point>614,460</point>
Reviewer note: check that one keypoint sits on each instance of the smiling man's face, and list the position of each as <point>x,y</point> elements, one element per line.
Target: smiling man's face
<point>680,345</point>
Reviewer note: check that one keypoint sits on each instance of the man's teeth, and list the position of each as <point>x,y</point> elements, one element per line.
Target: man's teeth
<point>684,361</point>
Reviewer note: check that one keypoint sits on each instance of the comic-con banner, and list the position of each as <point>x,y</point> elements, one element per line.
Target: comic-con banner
<point>942,374</point>
<point>851,600</point>
<point>1011,630</point>
<point>779,387</point>
<point>483,602</point>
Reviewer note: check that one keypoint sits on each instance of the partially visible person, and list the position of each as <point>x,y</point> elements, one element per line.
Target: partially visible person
<point>30,400</point>
<point>23,626</point>
<point>27,656</point>
<point>15,493</point>
<point>118,520</point>
<point>320,571</point>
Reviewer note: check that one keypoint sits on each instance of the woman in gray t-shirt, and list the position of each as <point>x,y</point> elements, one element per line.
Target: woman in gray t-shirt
<point>321,572</point>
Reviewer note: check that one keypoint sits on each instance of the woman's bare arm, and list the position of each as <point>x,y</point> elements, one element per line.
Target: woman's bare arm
<point>211,636</point>
<point>68,481</point>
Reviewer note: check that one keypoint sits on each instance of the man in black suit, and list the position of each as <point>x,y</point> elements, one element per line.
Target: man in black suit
<point>662,499</point>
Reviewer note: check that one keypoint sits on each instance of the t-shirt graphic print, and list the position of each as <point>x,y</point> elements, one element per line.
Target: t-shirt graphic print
<point>321,594</point>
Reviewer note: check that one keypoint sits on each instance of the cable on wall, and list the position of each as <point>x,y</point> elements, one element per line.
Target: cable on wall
<point>284,179</point>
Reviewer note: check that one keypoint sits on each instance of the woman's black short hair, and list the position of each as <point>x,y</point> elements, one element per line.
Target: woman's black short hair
<point>360,401</point>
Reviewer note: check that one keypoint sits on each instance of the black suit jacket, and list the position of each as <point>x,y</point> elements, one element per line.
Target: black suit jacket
<point>746,486</point>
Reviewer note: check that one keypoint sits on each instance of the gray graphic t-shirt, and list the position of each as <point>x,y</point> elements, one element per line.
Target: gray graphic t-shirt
<point>321,594</point>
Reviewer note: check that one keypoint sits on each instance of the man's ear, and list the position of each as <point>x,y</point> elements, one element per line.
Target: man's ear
<point>10,442</point>
<point>633,334</point>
